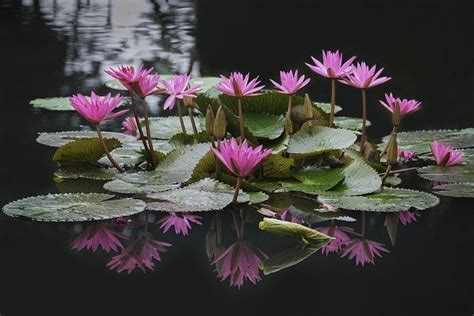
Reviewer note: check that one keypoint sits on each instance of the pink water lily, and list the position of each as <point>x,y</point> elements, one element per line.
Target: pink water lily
<point>405,155</point>
<point>96,109</point>
<point>406,106</point>
<point>130,127</point>
<point>177,88</point>
<point>363,250</point>
<point>238,85</point>
<point>129,76</point>
<point>339,235</point>
<point>147,85</point>
<point>290,82</point>
<point>287,216</point>
<point>240,262</point>
<point>408,217</point>
<point>180,221</point>
<point>98,235</point>
<point>446,155</point>
<point>364,77</point>
<point>331,65</point>
<point>140,254</point>
<point>242,159</point>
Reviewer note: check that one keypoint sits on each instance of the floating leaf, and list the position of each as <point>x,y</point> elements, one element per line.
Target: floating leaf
<point>86,150</point>
<point>86,172</point>
<point>314,216</point>
<point>205,195</point>
<point>317,139</point>
<point>123,187</point>
<point>459,173</point>
<point>59,104</point>
<point>167,126</point>
<point>278,145</point>
<point>387,200</point>
<point>206,83</point>
<point>124,157</point>
<point>350,123</point>
<point>463,190</point>
<point>264,125</point>
<point>257,197</point>
<point>73,207</point>
<point>307,235</point>
<point>314,180</point>
<point>61,138</point>
<point>277,167</point>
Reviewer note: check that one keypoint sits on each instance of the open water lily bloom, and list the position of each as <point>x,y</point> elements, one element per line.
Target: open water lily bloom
<point>290,82</point>
<point>238,85</point>
<point>130,127</point>
<point>128,75</point>
<point>331,65</point>
<point>405,155</point>
<point>363,77</point>
<point>178,88</point>
<point>96,109</point>
<point>363,250</point>
<point>446,155</point>
<point>180,221</point>
<point>98,235</point>
<point>406,106</point>
<point>147,85</point>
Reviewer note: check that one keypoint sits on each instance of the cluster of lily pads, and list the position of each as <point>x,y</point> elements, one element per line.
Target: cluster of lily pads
<point>248,145</point>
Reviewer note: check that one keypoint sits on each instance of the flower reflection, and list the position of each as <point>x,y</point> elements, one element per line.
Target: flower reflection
<point>98,235</point>
<point>180,221</point>
<point>363,250</point>
<point>287,216</point>
<point>339,235</point>
<point>408,217</point>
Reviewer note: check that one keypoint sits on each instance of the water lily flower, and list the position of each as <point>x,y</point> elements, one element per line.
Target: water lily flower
<point>140,254</point>
<point>147,85</point>
<point>96,109</point>
<point>180,221</point>
<point>177,88</point>
<point>287,216</point>
<point>408,217</point>
<point>331,65</point>
<point>290,82</point>
<point>446,155</point>
<point>129,76</point>
<point>406,106</point>
<point>238,85</point>
<point>363,250</point>
<point>405,155</point>
<point>98,235</point>
<point>239,262</point>
<point>130,127</point>
<point>364,77</point>
<point>339,235</point>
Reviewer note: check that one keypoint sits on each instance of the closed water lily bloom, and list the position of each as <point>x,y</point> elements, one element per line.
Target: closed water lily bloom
<point>339,235</point>
<point>290,82</point>
<point>363,250</point>
<point>129,76</point>
<point>332,66</point>
<point>405,155</point>
<point>406,106</point>
<point>238,85</point>
<point>364,77</point>
<point>445,155</point>
<point>178,88</point>
<point>96,109</point>
<point>98,235</point>
<point>239,262</point>
<point>130,127</point>
<point>242,159</point>
<point>180,221</point>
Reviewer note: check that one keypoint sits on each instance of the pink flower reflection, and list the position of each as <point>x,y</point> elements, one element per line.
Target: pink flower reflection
<point>180,221</point>
<point>364,251</point>
<point>339,235</point>
<point>98,235</point>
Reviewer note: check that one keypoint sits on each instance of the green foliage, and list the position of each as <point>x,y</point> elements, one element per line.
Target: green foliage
<point>166,127</point>
<point>264,125</point>
<point>306,234</point>
<point>59,104</point>
<point>83,151</point>
<point>464,190</point>
<point>459,173</point>
<point>61,138</point>
<point>277,167</point>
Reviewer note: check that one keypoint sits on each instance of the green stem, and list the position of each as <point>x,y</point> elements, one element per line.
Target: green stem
<point>386,174</point>
<point>333,102</point>
<point>140,130</point>
<point>148,134</point>
<point>401,170</point>
<point>241,120</point>
<point>237,188</point>
<point>106,150</point>
<point>191,118</point>
<point>218,163</point>
<point>290,101</point>
<point>180,114</point>
<point>394,130</point>
<point>364,122</point>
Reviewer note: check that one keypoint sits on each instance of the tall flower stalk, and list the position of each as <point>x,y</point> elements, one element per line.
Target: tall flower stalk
<point>332,67</point>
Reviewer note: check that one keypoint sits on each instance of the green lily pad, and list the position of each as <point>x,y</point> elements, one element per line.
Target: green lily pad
<point>205,195</point>
<point>317,139</point>
<point>60,104</point>
<point>306,234</point>
<point>463,190</point>
<point>167,126</point>
<point>387,200</point>
<point>277,167</point>
<point>314,180</point>
<point>459,173</point>
<point>257,197</point>
<point>123,187</point>
<point>278,145</point>
<point>124,157</point>
<point>264,125</point>
<point>73,207</point>
<point>314,216</point>
<point>86,172</point>
<point>61,138</point>
<point>83,151</point>
<point>350,123</point>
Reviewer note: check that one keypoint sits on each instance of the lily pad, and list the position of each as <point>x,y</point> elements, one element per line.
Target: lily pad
<point>460,173</point>
<point>257,197</point>
<point>206,83</point>
<point>277,167</point>
<point>314,180</point>
<point>264,125</point>
<point>205,195</point>
<point>306,234</point>
<point>350,123</point>
<point>123,187</point>
<point>86,172</point>
<point>464,190</point>
<point>124,157</point>
<point>314,216</point>
<point>387,200</point>
<point>61,138</point>
<point>167,126</point>
<point>59,104</point>
<point>83,151</point>
<point>73,207</point>
<point>318,139</point>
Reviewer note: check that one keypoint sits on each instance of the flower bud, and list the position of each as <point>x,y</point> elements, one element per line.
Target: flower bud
<point>392,149</point>
<point>210,121</point>
<point>308,107</point>
<point>188,101</point>
<point>220,124</point>
<point>396,117</point>
<point>288,124</point>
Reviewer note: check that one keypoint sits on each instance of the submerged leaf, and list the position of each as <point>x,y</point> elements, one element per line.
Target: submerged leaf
<point>73,207</point>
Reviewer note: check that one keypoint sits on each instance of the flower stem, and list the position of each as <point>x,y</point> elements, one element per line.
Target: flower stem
<point>333,102</point>
<point>394,130</point>
<point>364,122</point>
<point>290,101</point>
<point>401,170</point>
<point>237,226</point>
<point>386,174</point>
<point>191,118</point>
<point>180,114</point>
<point>112,160</point>
<point>148,134</point>
<point>218,163</point>
<point>241,120</point>
<point>237,188</point>
<point>139,126</point>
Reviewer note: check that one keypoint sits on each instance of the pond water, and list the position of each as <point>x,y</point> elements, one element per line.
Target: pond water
<point>55,48</point>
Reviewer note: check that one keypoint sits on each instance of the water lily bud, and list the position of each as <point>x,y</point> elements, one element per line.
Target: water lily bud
<point>392,149</point>
<point>308,107</point>
<point>210,121</point>
<point>188,101</point>
<point>220,124</point>
<point>396,114</point>
<point>288,124</point>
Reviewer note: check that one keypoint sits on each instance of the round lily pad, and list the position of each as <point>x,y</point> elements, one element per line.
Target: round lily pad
<point>264,125</point>
<point>59,104</point>
<point>167,126</point>
<point>61,138</point>
<point>460,173</point>
<point>463,190</point>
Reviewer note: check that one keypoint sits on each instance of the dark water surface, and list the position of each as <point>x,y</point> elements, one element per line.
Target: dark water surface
<point>55,48</point>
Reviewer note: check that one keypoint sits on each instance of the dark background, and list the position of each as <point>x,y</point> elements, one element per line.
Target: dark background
<point>425,46</point>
